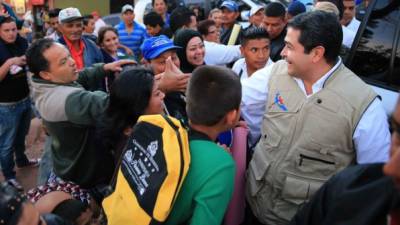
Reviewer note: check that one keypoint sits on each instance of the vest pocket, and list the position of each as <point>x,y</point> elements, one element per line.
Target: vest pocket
<point>298,189</point>
<point>257,170</point>
<point>316,163</point>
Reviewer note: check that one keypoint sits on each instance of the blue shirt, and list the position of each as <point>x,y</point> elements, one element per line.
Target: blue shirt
<point>132,40</point>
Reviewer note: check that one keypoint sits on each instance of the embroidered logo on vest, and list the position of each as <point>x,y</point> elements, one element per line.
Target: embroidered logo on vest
<point>279,102</point>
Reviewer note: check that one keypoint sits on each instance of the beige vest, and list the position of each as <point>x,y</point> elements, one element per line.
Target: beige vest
<point>304,141</point>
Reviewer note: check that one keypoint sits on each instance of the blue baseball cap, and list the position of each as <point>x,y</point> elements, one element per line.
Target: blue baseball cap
<point>155,46</point>
<point>230,5</point>
<point>296,8</point>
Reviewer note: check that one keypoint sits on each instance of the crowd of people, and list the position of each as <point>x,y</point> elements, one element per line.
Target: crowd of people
<point>319,148</point>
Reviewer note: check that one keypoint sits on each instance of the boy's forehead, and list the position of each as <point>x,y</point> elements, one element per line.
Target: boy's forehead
<point>166,54</point>
<point>257,41</point>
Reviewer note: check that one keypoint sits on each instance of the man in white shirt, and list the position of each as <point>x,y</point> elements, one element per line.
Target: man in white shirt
<point>216,53</point>
<point>255,50</point>
<point>99,23</point>
<point>317,118</point>
<point>328,6</point>
<point>53,17</point>
<point>349,13</point>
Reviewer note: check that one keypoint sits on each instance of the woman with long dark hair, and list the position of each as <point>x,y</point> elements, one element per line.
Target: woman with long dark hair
<point>192,52</point>
<point>133,93</point>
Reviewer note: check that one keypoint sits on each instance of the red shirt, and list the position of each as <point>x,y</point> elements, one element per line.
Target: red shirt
<point>77,55</point>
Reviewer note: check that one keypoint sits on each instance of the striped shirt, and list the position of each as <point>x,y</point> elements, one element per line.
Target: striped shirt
<point>134,39</point>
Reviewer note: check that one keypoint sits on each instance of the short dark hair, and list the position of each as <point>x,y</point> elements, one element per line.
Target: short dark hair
<point>253,33</point>
<point>212,92</point>
<point>103,31</point>
<point>153,19</point>
<point>54,12</point>
<point>339,4</point>
<point>203,26</point>
<point>6,19</point>
<point>275,9</point>
<point>153,1</point>
<point>35,58</point>
<point>130,95</point>
<point>86,19</point>
<point>319,28</point>
<point>180,17</point>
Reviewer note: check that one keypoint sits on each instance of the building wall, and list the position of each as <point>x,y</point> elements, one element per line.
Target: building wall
<point>85,6</point>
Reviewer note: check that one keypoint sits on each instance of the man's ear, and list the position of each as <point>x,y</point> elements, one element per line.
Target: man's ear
<point>317,53</point>
<point>232,117</point>
<point>45,75</point>
<point>242,50</point>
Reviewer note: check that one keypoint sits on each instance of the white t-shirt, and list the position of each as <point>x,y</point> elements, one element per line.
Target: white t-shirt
<point>97,25</point>
<point>219,54</point>
<point>240,68</point>
<point>348,37</point>
<point>354,25</point>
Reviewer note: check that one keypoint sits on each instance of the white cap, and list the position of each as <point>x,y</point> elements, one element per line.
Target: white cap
<point>255,9</point>
<point>126,8</point>
<point>68,15</point>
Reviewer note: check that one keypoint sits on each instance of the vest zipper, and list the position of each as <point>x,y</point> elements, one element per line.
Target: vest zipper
<point>314,159</point>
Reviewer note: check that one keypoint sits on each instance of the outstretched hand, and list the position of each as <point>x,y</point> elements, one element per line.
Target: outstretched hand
<point>117,65</point>
<point>172,79</point>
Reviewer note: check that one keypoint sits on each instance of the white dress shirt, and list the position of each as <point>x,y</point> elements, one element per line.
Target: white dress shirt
<point>219,54</point>
<point>240,68</point>
<point>354,25</point>
<point>348,37</point>
<point>371,137</point>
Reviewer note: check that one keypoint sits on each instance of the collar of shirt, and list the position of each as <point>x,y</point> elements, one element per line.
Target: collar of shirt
<point>319,84</point>
<point>244,68</point>
<point>122,25</point>
<point>77,55</point>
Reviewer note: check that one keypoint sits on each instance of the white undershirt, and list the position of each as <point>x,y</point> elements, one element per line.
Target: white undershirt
<point>240,68</point>
<point>371,137</point>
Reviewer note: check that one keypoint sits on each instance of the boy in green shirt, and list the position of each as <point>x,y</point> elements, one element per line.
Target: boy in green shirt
<point>213,101</point>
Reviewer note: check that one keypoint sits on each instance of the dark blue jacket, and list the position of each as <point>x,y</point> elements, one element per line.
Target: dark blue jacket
<point>91,53</point>
<point>360,194</point>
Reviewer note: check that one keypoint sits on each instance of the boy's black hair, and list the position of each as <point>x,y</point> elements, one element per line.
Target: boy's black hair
<point>54,12</point>
<point>6,19</point>
<point>86,19</point>
<point>319,28</point>
<point>253,33</point>
<point>153,19</point>
<point>180,17</point>
<point>35,58</point>
<point>212,92</point>
<point>275,9</point>
<point>203,26</point>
